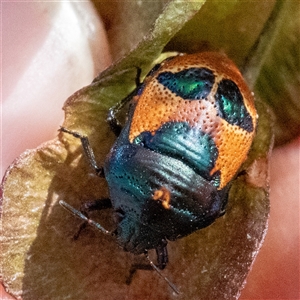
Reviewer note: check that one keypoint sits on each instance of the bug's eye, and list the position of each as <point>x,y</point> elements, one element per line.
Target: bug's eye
<point>119,215</point>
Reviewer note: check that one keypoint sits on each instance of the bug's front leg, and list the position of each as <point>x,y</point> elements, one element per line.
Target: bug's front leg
<point>112,120</point>
<point>162,261</point>
<point>162,254</point>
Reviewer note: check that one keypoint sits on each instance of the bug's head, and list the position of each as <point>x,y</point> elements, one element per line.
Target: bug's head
<point>157,197</point>
<point>132,233</point>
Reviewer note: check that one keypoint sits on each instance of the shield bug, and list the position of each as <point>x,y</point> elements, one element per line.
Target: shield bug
<point>189,127</point>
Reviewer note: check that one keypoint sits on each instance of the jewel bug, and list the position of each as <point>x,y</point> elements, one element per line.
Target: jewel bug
<point>189,128</point>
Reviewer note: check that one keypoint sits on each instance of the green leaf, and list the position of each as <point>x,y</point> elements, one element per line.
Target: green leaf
<point>275,68</point>
<point>232,27</point>
<point>127,22</point>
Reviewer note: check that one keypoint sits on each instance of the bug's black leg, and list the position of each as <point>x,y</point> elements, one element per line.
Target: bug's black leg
<point>162,260</point>
<point>162,254</point>
<point>138,76</point>
<point>112,120</point>
<point>98,204</point>
<point>224,195</point>
<point>88,151</point>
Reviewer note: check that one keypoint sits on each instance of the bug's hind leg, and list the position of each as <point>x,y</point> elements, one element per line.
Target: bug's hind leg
<point>88,151</point>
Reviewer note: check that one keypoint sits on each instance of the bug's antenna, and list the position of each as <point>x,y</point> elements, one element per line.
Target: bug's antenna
<point>81,216</point>
<point>155,268</point>
<point>96,225</point>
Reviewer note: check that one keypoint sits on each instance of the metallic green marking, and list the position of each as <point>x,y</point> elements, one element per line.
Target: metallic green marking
<point>192,83</point>
<point>231,105</point>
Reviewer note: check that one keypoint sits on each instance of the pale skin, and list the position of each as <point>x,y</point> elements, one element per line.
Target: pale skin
<point>275,274</point>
